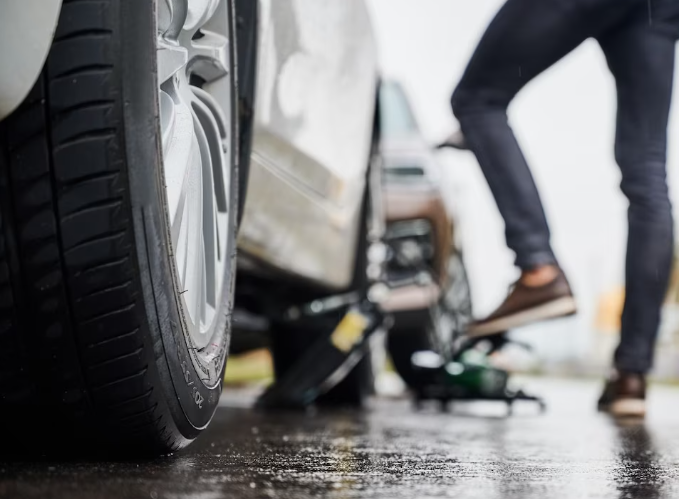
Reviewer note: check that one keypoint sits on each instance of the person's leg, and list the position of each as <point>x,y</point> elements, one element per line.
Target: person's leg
<point>641,58</point>
<point>525,38</point>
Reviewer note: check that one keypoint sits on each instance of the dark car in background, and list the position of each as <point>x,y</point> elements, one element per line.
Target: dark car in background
<point>430,296</point>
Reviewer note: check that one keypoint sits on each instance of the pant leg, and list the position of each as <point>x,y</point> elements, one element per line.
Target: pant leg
<point>641,58</point>
<point>525,38</point>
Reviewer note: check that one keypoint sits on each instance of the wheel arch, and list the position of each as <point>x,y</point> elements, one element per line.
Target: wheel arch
<point>247,42</point>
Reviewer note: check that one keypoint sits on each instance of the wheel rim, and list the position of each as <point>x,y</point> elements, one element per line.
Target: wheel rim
<point>194,65</point>
<point>453,313</point>
<point>457,298</point>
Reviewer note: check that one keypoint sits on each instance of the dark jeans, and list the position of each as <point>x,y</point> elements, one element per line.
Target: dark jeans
<point>638,38</point>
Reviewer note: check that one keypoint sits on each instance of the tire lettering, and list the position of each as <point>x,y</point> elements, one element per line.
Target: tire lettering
<point>197,397</point>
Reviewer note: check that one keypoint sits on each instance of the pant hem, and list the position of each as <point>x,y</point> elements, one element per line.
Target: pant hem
<point>536,260</point>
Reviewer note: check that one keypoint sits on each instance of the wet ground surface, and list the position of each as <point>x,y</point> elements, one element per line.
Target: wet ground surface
<point>392,452</point>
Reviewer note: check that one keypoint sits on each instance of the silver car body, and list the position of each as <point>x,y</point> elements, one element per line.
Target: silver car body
<point>27,26</point>
<point>315,101</point>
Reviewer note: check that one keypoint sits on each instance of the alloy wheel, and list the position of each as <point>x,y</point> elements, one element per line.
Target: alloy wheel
<point>195,99</point>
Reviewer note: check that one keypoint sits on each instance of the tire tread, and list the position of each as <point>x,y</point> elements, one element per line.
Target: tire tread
<point>66,246</point>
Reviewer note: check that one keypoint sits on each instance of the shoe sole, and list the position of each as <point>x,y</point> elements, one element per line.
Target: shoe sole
<point>626,408</point>
<point>560,307</point>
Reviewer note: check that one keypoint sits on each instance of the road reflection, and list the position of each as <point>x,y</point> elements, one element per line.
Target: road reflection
<point>390,452</point>
<point>639,472</point>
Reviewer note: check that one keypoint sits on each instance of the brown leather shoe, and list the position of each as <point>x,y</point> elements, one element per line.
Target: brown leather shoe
<point>624,395</point>
<point>528,304</point>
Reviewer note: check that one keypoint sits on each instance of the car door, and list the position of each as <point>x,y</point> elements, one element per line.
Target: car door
<point>315,103</point>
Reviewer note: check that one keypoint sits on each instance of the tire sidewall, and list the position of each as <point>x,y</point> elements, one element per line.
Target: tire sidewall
<point>190,401</point>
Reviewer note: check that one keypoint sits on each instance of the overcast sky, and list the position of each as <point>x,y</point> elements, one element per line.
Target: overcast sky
<point>565,123</point>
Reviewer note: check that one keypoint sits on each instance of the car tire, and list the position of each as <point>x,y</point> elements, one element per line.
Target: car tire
<point>453,313</point>
<point>95,344</point>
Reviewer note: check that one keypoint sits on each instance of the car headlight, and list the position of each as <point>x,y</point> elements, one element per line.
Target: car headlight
<point>411,245</point>
<point>409,252</point>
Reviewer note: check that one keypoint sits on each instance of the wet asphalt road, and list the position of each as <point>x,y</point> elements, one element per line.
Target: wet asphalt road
<point>392,452</point>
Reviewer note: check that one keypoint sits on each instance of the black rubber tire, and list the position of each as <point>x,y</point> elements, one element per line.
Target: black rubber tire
<point>93,352</point>
<point>414,333</point>
<point>401,345</point>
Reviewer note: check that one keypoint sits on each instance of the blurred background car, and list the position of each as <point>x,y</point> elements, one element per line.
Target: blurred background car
<point>430,298</point>
<point>131,132</point>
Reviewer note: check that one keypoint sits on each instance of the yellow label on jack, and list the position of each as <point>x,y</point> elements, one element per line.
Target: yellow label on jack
<point>349,331</point>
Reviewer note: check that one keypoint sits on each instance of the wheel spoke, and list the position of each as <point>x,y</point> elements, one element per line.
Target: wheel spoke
<point>171,59</point>
<point>202,287</point>
<point>200,12</point>
<point>179,151</point>
<point>213,123</point>
<point>168,118</point>
<point>210,56</point>
<point>222,221</point>
<point>181,245</point>
<point>209,201</point>
<point>214,108</point>
<point>172,17</point>
<point>193,281</point>
<point>177,222</point>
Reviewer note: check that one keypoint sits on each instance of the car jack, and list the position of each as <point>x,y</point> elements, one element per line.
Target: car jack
<point>467,376</point>
<point>327,361</point>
